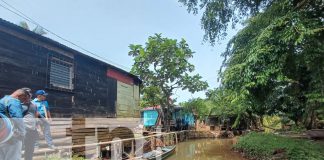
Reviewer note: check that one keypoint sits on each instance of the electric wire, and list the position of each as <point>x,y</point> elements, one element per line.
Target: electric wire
<point>24,16</point>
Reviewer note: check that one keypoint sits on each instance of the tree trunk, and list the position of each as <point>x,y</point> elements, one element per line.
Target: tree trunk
<point>253,120</point>
<point>166,106</point>
<point>310,119</point>
<point>167,119</point>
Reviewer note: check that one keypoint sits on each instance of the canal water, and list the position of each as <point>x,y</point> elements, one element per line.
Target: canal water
<point>206,149</point>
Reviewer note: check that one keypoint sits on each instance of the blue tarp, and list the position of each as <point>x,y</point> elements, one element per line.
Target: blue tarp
<point>189,119</point>
<point>150,117</point>
<point>185,118</point>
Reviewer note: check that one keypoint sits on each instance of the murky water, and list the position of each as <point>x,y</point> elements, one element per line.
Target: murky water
<point>206,149</point>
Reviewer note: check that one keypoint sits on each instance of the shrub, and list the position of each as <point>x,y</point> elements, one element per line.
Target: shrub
<point>270,146</point>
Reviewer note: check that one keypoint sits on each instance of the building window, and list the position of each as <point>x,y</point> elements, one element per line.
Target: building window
<point>61,74</point>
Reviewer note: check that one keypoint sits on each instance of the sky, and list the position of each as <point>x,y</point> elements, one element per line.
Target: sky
<point>107,28</point>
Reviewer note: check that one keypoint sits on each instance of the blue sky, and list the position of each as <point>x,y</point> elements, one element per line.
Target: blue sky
<point>107,27</point>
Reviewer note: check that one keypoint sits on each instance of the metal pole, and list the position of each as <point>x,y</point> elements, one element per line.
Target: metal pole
<point>98,151</point>
<point>132,152</point>
<point>60,153</point>
<point>70,152</point>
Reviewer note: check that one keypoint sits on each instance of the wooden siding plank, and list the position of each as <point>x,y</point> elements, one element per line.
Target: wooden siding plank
<point>24,63</point>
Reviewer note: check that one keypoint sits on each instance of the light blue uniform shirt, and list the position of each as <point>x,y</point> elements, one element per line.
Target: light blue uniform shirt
<point>41,105</point>
<point>12,107</point>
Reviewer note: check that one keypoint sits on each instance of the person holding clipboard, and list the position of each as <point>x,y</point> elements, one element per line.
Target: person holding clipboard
<point>44,115</point>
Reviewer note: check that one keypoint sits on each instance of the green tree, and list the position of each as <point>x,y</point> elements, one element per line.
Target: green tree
<point>201,107</point>
<point>164,64</point>
<point>231,104</point>
<point>218,15</point>
<point>151,96</point>
<point>276,60</point>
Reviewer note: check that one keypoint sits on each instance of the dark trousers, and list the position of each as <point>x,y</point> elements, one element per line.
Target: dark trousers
<point>29,143</point>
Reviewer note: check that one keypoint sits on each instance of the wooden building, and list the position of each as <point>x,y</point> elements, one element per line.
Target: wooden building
<point>78,85</point>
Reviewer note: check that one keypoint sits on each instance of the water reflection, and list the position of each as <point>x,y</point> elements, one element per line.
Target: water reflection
<point>205,149</point>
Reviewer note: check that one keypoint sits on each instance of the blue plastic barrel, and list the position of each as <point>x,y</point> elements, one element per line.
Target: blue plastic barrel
<point>6,129</point>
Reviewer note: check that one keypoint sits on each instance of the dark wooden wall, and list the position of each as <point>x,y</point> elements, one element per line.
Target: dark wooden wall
<point>20,66</point>
<point>95,92</point>
<point>24,63</point>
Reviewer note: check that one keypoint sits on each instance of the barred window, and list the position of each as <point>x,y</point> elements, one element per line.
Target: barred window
<point>61,74</point>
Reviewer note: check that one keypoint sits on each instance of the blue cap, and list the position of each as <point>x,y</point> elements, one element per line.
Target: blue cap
<point>41,92</point>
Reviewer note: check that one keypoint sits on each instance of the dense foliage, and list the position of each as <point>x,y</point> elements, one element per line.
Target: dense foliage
<point>218,15</point>
<point>274,65</point>
<point>270,146</point>
<point>200,107</point>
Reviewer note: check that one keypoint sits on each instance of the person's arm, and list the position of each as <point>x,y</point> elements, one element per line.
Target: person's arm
<point>37,114</point>
<point>48,113</point>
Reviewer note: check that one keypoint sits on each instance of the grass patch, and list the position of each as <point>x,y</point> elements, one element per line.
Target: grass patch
<point>270,146</point>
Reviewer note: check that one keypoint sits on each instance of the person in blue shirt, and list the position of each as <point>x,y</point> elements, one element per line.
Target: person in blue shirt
<point>10,105</point>
<point>44,115</point>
